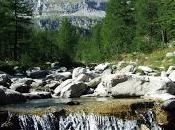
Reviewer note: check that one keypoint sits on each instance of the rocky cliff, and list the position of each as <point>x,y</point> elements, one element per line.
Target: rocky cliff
<point>81,13</point>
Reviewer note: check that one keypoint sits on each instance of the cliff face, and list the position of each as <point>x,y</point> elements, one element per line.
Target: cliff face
<point>81,13</point>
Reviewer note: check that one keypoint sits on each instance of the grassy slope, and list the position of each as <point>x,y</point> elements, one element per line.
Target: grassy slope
<point>156,59</point>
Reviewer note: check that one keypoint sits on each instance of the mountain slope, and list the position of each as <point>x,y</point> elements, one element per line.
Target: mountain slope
<point>82,13</point>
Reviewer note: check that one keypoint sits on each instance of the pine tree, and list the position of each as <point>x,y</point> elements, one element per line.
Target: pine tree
<point>67,39</point>
<point>148,31</point>
<point>16,20</point>
<point>119,26</point>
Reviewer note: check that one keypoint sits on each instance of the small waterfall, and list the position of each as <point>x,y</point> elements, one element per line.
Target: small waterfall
<point>33,122</point>
<point>77,121</point>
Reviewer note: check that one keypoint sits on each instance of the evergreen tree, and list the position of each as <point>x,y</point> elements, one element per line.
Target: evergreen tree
<point>17,18</point>
<point>148,32</point>
<point>67,40</point>
<point>119,26</point>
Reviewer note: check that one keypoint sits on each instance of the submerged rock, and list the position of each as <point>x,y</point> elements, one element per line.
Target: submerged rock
<point>72,103</point>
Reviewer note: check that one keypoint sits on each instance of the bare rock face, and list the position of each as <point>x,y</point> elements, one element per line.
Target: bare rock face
<point>81,13</point>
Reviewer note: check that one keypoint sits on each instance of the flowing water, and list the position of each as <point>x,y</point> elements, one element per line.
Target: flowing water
<point>76,121</point>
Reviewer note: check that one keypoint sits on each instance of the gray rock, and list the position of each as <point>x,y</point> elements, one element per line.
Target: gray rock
<point>58,90</point>
<point>78,71</point>
<point>145,69</point>
<point>37,83</point>
<point>162,97</point>
<point>107,71</point>
<point>170,70</point>
<point>140,86</point>
<point>94,82</point>
<point>84,78</point>
<point>37,95</point>
<point>107,82</point>
<point>55,65</point>
<point>5,80</point>
<point>163,74</point>
<point>37,73</point>
<point>52,84</point>
<point>102,90</point>
<point>22,85</point>
<point>169,105</point>
<point>172,76</point>
<point>8,96</point>
<point>74,90</point>
<point>130,69</point>
<point>60,76</point>
<point>101,67</point>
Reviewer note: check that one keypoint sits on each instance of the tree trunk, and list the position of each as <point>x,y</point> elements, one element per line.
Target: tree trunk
<point>164,36</point>
<point>16,34</point>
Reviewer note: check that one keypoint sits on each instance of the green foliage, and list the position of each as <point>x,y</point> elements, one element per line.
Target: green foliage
<point>129,26</point>
<point>25,60</point>
<point>67,39</point>
<point>15,26</point>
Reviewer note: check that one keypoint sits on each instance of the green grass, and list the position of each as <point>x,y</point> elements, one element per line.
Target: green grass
<point>156,59</point>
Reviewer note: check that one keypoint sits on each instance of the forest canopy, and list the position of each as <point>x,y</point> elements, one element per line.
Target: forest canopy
<point>129,26</point>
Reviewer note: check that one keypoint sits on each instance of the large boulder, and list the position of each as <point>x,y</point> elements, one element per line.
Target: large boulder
<point>101,67</point>
<point>102,90</point>
<point>57,91</point>
<point>37,73</point>
<point>8,96</point>
<point>52,84</point>
<point>130,69</point>
<point>107,82</point>
<point>94,82</point>
<point>22,85</point>
<point>107,71</point>
<point>37,83</point>
<point>84,78</point>
<point>78,71</point>
<point>74,90</point>
<point>140,86</point>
